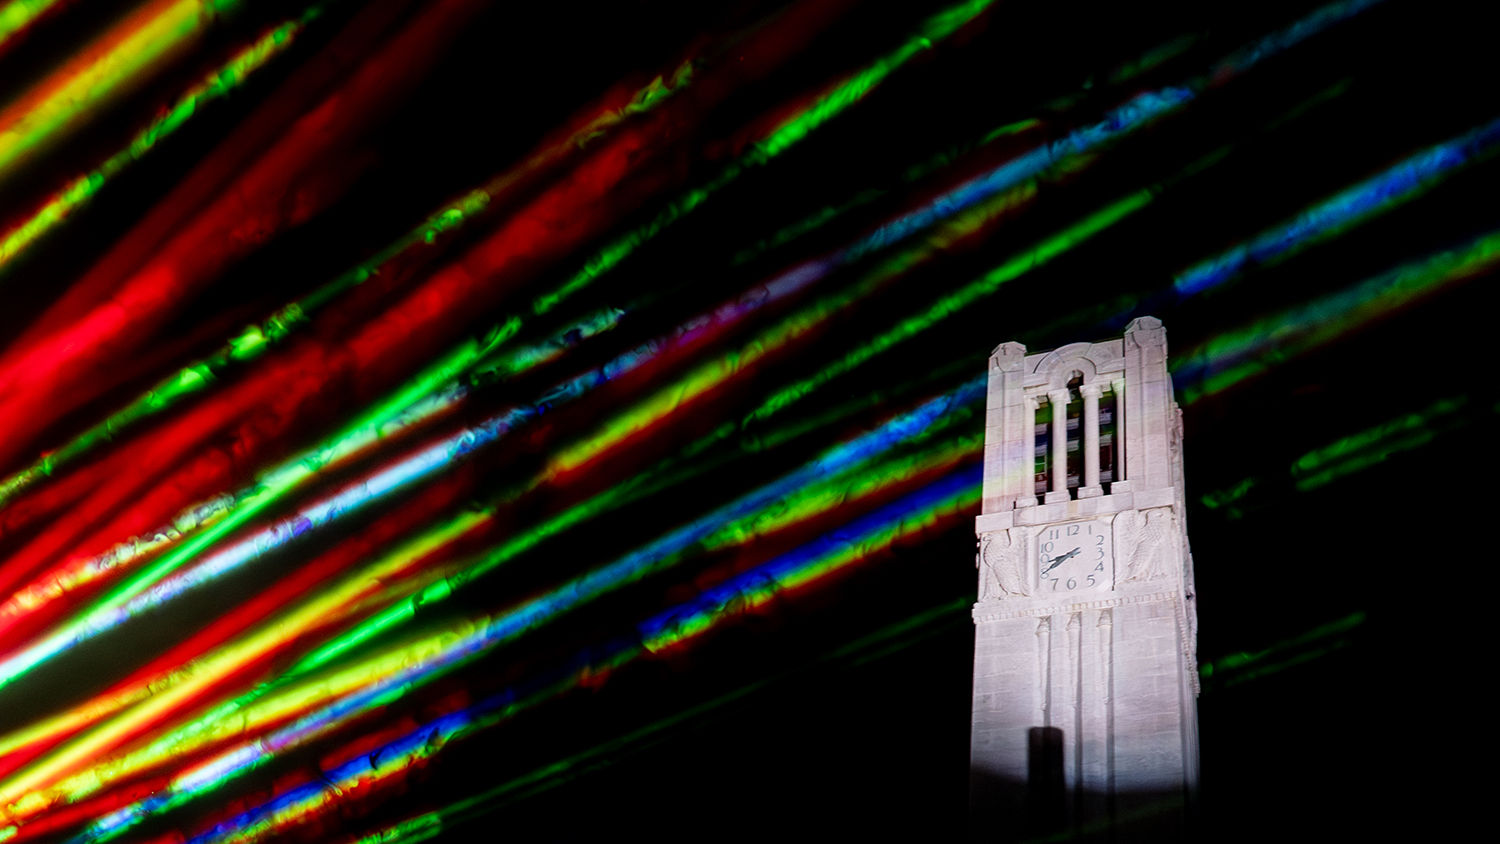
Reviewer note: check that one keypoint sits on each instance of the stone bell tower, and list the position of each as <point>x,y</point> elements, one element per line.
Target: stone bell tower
<point>1085,670</point>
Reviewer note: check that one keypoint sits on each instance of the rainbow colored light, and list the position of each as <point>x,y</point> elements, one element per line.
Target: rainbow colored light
<point>400,450</point>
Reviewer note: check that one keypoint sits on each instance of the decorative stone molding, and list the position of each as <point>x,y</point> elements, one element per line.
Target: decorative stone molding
<point>993,612</point>
<point>1001,565</point>
<point>1007,357</point>
<point>1146,331</point>
<point>1144,540</point>
<point>1106,357</point>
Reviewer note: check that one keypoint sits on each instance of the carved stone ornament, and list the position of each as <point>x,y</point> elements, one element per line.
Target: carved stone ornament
<point>1007,357</point>
<point>1146,331</point>
<point>1143,541</point>
<point>1000,566</point>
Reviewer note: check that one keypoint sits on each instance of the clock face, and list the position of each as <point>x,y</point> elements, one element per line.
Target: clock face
<point>1075,557</point>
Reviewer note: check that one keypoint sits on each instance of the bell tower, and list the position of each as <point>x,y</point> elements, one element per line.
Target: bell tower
<point>1085,668</point>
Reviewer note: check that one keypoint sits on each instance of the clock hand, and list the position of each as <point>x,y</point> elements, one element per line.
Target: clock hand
<point>1060,560</point>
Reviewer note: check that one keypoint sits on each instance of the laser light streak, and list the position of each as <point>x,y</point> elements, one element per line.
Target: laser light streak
<point>950,497</point>
<point>398,672</point>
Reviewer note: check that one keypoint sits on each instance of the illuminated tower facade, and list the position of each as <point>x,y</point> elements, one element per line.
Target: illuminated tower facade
<point>1085,668</point>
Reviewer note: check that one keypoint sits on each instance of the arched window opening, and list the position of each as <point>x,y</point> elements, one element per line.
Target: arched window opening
<point>1076,438</point>
<point>1109,435</point>
<point>1075,433</point>
<point>1041,454</point>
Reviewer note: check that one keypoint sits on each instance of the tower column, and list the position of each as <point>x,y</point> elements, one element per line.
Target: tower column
<point>1059,436</point>
<point>1090,488</point>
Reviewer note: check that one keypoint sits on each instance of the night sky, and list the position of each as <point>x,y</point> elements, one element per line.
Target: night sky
<point>469,420</point>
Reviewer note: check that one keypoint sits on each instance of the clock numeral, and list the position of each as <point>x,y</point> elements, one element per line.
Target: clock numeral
<point>1050,564</point>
